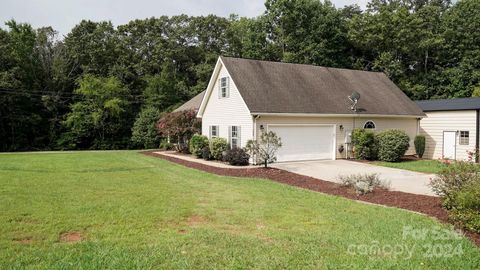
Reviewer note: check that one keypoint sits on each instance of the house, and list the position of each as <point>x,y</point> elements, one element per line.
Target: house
<point>451,127</point>
<point>307,106</point>
<point>192,104</point>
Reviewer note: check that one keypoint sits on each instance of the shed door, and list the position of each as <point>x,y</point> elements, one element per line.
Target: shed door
<point>305,142</point>
<point>449,144</point>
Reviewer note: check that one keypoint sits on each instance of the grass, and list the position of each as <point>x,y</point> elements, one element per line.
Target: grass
<point>424,165</point>
<point>139,212</point>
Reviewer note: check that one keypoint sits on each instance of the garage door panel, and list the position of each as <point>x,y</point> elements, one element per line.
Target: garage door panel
<point>304,142</point>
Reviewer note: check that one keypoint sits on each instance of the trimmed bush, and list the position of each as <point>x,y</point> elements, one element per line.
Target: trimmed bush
<point>217,147</point>
<point>458,184</point>
<point>364,143</point>
<point>237,156</point>
<point>197,143</point>
<point>419,143</point>
<point>392,145</point>
<point>206,155</point>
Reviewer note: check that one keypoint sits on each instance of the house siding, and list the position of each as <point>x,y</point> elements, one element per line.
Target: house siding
<point>409,125</point>
<point>436,123</point>
<point>225,112</point>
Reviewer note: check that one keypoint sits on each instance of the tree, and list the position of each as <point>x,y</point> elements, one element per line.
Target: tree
<point>180,127</point>
<point>265,149</point>
<point>97,121</point>
<point>144,131</point>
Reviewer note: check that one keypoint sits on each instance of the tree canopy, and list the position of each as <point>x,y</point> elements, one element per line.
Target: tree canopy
<point>100,85</point>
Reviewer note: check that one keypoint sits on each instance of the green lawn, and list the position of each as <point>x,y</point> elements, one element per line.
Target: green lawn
<point>139,212</point>
<point>424,165</point>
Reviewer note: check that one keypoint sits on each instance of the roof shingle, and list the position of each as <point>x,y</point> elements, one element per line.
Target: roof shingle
<point>273,87</point>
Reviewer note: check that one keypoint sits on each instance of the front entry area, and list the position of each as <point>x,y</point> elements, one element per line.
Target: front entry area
<point>449,144</point>
<point>305,142</point>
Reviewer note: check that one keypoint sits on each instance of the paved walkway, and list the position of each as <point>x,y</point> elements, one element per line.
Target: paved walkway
<point>202,161</point>
<point>330,170</point>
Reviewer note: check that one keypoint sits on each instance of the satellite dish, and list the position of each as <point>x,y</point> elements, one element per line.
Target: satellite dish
<point>354,97</point>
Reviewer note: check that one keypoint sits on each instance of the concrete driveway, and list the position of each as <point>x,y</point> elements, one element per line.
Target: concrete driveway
<point>330,170</point>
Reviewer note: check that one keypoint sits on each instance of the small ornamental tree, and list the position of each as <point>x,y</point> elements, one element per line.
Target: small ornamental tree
<point>265,149</point>
<point>179,127</point>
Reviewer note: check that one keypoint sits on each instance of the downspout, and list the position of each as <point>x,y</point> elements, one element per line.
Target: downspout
<point>477,137</point>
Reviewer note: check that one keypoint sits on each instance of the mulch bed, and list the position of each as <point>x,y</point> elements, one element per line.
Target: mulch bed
<point>424,204</point>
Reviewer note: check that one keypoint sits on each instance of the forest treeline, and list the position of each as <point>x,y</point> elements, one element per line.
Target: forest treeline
<point>104,87</point>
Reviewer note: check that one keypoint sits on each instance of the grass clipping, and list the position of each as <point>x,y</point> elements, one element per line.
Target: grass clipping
<point>363,183</point>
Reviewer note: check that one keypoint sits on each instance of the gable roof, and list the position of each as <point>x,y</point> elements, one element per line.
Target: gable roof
<point>192,104</point>
<point>456,104</point>
<point>274,87</point>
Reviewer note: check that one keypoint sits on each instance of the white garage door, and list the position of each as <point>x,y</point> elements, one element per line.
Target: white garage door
<point>305,142</point>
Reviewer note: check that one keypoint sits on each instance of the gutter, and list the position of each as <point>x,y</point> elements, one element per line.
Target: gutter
<point>337,115</point>
<point>477,137</point>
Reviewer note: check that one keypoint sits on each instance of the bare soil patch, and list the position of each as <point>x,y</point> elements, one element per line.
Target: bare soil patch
<point>70,237</point>
<point>424,204</point>
<point>196,220</point>
<point>24,241</point>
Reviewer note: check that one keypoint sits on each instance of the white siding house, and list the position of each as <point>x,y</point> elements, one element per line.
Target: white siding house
<point>450,128</point>
<point>307,106</point>
<point>225,112</point>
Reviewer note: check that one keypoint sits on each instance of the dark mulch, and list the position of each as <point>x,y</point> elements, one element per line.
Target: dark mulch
<point>419,203</point>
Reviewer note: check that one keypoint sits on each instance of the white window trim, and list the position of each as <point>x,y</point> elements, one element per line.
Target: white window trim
<point>210,133</point>
<point>237,137</point>
<point>226,87</point>
<point>374,124</point>
<point>460,142</point>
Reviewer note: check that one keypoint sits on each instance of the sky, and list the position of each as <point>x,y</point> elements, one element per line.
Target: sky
<point>62,15</point>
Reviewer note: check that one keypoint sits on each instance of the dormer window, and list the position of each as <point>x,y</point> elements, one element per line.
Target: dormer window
<point>223,91</point>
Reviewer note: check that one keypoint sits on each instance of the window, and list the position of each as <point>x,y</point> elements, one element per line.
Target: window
<point>369,125</point>
<point>213,131</point>
<point>234,137</point>
<point>223,88</point>
<point>464,137</point>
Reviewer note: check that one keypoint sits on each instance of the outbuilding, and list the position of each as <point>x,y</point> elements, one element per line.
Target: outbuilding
<point>451,128</point>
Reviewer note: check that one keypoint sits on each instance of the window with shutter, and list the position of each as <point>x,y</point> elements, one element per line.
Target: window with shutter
<point>234,136</point>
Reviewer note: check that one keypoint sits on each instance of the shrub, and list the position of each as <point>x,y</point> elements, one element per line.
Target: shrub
<point>458,184</point>
<point>363,183</point>
<point>144,131</point>
<point>419,143</point>
<point>165,145</point>
<point>364,143</point>
<point>237,156</point>
<point>217,147</point>
<point>197,143</point>
<point>392,145</point>
<point>206,155</point>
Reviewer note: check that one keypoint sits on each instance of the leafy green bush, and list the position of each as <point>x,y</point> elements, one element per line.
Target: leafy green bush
<point>392,145</point>
<point>144,130</point>
<point>458,184</point>
<point>217,147</point>
<point>197,143</point>
<point>237,156</point>
<point>419,143</point>
<point>364,143</point>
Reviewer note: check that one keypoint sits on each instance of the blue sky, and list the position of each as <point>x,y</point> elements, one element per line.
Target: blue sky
<point>62,15</point>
